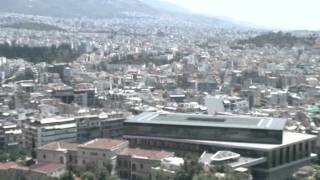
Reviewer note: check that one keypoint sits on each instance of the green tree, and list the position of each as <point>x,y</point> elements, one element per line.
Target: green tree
<point>188,170</point>
<point>205,176</point>
<point>3,156</point>
<point>102,176</point>
<point>67,176</point>
<point>112,178</point>
<point>317,175</point>
<point>88,176</point>
<point>30,162</point>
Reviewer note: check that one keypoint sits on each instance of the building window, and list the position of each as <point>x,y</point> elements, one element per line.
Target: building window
<point>83,152</point>
<point>61,160</point>
<point>44,156</point>
<point>133,167</point>
<point>104,154</point>
<point>83,162</point>
<point>94,154</point>
<point>141,166</point>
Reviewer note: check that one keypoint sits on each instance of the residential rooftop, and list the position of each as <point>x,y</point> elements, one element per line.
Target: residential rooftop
<point>146,154</point>
<point>104,144</point>
<point>47,167</point>
<point>201,120</point>
<point>60,146</point>
<point>8,165</point>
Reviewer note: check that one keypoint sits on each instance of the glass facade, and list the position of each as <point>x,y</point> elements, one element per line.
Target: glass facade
<point>204,133</point>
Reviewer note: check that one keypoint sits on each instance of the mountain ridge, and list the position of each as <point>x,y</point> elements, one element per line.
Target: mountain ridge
<point>103,9</point>
<point>75,9</point>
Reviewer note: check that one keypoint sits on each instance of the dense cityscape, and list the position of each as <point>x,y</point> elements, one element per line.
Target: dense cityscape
<point>156,97</point>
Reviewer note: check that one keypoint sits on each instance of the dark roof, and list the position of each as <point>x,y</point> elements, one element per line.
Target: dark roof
<point>200,120</point>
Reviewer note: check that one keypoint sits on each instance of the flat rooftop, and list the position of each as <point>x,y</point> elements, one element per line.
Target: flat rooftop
<point>201,120</point>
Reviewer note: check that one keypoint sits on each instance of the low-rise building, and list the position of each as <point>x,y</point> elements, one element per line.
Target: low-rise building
<point>167,169</point>
<point>100,154</point>
<point>58,152</point>
<point>54,170</point>
<point>138,163</point>
<point>111,157</point>
<point>224,103</point>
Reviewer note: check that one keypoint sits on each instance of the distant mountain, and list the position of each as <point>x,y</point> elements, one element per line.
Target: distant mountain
<point>109,9</point>
<point>77,8</point>
<point>180,13</point>
<point>165,6</point>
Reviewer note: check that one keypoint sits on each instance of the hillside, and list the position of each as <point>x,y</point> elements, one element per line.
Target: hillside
<point>76,8</point>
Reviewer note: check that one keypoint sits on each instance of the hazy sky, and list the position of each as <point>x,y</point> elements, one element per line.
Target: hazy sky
<point>286,14</point>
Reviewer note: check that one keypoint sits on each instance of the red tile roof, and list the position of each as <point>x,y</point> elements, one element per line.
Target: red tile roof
<point>103,144</point>
<point>150,154</point>
<point>8,165</point>
<point>55,146</point>
<point>47,167</point>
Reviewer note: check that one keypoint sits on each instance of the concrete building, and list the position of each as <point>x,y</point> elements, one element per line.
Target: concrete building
<point>64,93</point>
<point>84,94</point>
<point>10,136</point>
<point>253,137</point>
<point>223,103</point>
<point>40,132</point>
<point>278,98</point>
<point>88,127</point>
<point>105,125</point>
<point>112,125</point>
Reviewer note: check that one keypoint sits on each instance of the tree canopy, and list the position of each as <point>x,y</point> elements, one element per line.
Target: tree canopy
<point>62,53</point>
<point>88,176</point>
<point>278,39</point>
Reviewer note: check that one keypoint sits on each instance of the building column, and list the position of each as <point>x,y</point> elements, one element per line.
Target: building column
<point>270,159</point>
<point>304,149</point>
<point>278,158</point>
<point>291,153</point>
<point>283,158</point>
<point>296,146</point>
